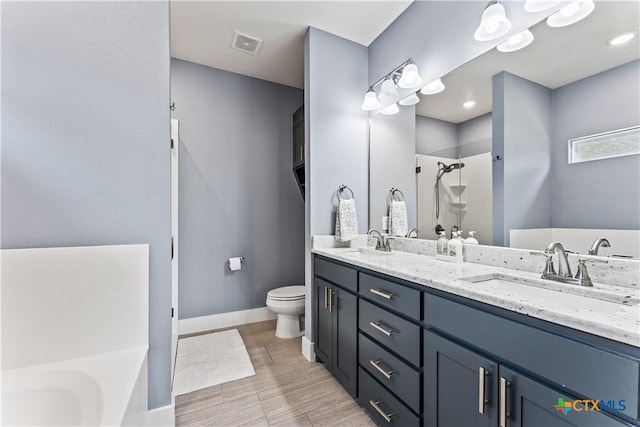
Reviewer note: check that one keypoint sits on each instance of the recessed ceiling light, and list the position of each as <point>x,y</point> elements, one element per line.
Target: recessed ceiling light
<point>469,104</point>
<point>622,38</point>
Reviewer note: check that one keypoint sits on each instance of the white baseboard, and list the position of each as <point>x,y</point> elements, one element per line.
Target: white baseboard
<point>224,320</point>
<point>308,350</point>
<point>164,416</point>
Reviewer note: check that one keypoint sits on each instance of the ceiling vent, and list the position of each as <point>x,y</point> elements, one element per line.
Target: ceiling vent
<point>246,43</point>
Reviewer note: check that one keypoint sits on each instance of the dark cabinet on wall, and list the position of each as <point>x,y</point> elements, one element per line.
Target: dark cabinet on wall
<point>298,149</point>
<point>336,329</point>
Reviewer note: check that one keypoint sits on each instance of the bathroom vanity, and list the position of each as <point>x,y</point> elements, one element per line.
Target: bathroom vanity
<point>419,341</point>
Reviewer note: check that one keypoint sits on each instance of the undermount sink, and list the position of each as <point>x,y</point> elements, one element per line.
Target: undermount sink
<point>626,298</point>
<point>368,251</point>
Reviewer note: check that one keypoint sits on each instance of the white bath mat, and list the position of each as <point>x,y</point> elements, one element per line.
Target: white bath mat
<point>211,359</point>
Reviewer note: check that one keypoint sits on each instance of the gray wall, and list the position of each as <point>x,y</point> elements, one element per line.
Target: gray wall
<point>522,139</point>
<point>436,137</point>
<point>238,194</point>
<point>445,139</point>
<point>474,136</point>
<point>603,193</point>
<point>392,164</point>
<point>85,131</point>
<point>337,139</point>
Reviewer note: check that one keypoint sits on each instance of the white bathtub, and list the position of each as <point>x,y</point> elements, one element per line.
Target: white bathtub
<point>107,389</point>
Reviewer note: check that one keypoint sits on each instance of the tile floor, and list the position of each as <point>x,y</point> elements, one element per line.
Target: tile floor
<point>287,390</point>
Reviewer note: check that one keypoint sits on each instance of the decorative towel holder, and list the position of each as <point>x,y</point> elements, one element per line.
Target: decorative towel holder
<point>394,192</point>
<point>342,190</point>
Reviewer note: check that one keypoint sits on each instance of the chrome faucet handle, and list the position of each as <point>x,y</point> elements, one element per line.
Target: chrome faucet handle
<point>548,268</point>
<point>582,275</point>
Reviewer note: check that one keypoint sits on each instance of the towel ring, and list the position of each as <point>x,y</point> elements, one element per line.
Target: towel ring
<point>341,190</point>
<point>393,192</point>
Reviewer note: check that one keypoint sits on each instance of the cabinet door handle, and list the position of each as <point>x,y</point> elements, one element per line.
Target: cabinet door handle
<point>302,153</point>
<point>377,326</point>
<point>381,293</point>
<point>376,364</point>
<point>482,400</point>
<point>330,300</point>
<point>325,298</point>
<point>376,406</point>
<point>504,414</point>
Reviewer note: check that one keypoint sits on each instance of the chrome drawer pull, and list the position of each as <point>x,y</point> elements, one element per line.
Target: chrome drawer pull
<point>504,414</point>
<point>376,364</point>
<point>385,331</point>
<point>482,401</point>
<point>381,293</point>
<point>375,404</point>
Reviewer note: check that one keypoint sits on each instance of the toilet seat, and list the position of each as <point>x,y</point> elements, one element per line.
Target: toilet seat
<point>287,293</point>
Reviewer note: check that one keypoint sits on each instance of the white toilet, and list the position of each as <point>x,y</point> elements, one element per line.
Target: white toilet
<point>288,303</point>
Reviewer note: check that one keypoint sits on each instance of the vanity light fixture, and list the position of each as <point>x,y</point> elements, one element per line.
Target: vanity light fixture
<point>432,88</point>
<point>571,13</point>
<point>469,104</point>
<point>622,38</point>
<point>370,101</point>
<point>404,76</point>
<point>388,89</point>
<point>410,100</point>
<point>410,77</point>
<point>539,5</point>
<point>390,110</point>
<point>494,22</point>
<point>516,42</point>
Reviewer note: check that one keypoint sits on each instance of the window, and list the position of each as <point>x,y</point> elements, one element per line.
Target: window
<point>617,143</point>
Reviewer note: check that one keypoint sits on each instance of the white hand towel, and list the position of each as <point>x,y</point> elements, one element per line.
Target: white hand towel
<point>346,220</point>
<point>398,222</point>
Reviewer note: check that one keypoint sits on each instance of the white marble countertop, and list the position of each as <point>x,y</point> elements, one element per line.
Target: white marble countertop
<point>612,320</point>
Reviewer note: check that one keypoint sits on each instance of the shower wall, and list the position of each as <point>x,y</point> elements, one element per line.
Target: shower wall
<point>465,196</point>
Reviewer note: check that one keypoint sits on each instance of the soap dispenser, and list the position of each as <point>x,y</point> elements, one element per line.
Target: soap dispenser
<point>455,246</point>
<point>471,240</point>
<point>442,246</point>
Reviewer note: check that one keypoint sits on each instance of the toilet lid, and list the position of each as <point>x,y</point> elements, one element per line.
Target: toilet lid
<point>287,293</point>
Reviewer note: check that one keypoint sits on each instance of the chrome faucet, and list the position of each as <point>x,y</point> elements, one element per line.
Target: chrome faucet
<point>564,274</point>
<point>380,243</point>
<point>413,230</point>
<point>564,270</point>
<point>597,244</point>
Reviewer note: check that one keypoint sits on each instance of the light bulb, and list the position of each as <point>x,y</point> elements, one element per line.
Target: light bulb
<point>572,13</point>
<point>388,89</point>
<point>432,88</point>
<point>370,101</point>
<point>410,77</point>
<point>469,104</point>
<point>390,110</point>
<point>516,42</point>
<point>410,100</point>
<point>493,24</point>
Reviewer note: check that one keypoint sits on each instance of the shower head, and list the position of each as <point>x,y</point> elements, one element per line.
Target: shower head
<point>442,168</point>
<point>453,166</point>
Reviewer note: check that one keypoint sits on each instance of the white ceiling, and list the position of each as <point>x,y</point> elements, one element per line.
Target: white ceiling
<point>556,57</point>
<point>201,32</point>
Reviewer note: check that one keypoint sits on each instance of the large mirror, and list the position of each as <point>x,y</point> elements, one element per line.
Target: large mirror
<point>500,166</point>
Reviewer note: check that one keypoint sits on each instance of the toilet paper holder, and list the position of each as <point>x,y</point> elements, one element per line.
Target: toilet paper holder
<point>235,263</point>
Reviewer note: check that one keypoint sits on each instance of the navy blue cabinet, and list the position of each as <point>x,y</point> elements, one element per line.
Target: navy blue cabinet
<point>464,388</point>
<point>336,331</point>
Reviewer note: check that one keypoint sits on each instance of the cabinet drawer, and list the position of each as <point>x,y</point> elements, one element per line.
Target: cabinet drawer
<point>586,370</point>
<point>384,408</point>
<point>338,274</point>
<point>398,335</point>
<point>397,376</point>
<point>393,295</point>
